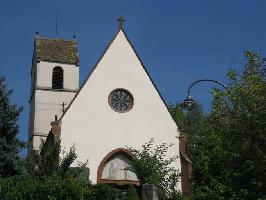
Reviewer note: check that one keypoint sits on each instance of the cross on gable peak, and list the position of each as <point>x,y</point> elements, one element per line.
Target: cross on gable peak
<point>121,21</point>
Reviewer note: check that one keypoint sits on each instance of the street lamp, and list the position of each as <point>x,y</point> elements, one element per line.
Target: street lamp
<point>189,102</point>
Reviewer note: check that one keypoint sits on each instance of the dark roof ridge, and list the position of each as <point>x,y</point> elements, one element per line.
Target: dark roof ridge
<point>57,39</point>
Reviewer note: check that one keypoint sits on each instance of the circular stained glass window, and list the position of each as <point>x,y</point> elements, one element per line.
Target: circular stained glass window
<point>120,100</point>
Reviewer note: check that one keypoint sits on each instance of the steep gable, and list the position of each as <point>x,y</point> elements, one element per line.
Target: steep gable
<point>96,128</point>
<point>121,31</point>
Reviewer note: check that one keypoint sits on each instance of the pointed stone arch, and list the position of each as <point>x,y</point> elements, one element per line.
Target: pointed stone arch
<point>125,156</point>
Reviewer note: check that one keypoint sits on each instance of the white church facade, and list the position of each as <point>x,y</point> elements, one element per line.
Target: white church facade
<point>117,106</point>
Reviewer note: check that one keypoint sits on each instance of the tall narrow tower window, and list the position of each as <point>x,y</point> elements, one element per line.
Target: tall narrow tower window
<point>58,78</point>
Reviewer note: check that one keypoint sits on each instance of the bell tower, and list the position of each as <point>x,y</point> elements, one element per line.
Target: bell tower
<point>54,83</point>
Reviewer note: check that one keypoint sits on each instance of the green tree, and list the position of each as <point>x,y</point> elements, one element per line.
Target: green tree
<point>230,155</point>
<point>132,193</point>
<point>49,163</point>
<point>228,146</point>
<point>194,123</point>
<point>152,166</point>
<point>10,161</point>
<point>54,187</point>
<point>178,115</point>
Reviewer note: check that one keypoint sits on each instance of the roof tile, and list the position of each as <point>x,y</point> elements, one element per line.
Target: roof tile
<point>56,50</point>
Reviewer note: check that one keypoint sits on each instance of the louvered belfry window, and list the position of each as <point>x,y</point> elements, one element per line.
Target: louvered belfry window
<point>58,78</point>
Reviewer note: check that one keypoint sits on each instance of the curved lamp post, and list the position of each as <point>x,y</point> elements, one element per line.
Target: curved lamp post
<point>189,101</point>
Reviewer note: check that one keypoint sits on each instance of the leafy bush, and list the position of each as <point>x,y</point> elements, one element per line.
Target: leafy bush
<point>152,166</point>
<point>55,188</point>
<point>132,193</point>
<point>49,162</point>
<point>103,191</point>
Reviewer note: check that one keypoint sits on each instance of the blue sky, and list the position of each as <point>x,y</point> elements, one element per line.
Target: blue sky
<point>178,41</point>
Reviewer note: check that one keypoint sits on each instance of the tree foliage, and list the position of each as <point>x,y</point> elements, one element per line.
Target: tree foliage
<point>50,176</point>
<point>194,122</point>
<point>238,128</point>
<point>54,188</point>
<point>10,162</point>
<point>132,193</point>
<point>152,166</point>
<point>51,162</point>
<point>228,147</point>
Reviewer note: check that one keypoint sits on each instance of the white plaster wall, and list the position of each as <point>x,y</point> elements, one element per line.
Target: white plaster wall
<point>45,102</point>
<point>96,129</point>
<point>47,105</point>
<point>45,71</point>
<point>36,142</point>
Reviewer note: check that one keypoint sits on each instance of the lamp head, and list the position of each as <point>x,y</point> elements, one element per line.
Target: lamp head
<point>188,103</point>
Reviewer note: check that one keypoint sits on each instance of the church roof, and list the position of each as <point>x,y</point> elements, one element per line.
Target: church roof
<point>56,50</point>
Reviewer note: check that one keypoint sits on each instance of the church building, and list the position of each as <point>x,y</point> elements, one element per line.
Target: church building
<point>117,106</point>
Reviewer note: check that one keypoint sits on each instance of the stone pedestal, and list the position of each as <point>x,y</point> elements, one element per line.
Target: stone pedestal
<point>149,192</point>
